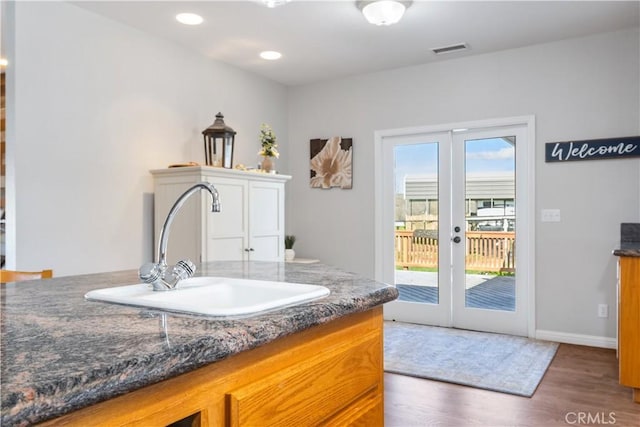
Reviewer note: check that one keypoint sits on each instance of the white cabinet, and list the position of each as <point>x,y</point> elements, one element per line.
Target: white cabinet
<point>249,226</point>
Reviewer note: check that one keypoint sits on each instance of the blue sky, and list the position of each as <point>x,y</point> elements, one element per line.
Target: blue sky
<point>483,156</point>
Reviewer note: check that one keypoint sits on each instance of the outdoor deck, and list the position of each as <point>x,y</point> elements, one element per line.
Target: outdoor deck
<point>483,291</point>
<point>486,251</point>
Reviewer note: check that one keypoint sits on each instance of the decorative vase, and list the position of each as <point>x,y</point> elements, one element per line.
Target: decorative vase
<point>289,254</point>
<point>268,164</point>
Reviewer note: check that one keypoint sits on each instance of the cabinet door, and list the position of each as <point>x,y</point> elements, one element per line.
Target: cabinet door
<point>344,383</point>
<point>266,221</point>
<point>227,230</point>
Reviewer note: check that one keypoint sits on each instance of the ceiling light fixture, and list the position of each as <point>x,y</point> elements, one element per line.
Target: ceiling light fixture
<point>383,12</point>
<point>274,3</point>
<point>270,55</point>
<point>3,62</point>
<point>189,19</point>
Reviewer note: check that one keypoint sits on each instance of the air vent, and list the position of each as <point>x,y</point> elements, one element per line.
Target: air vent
<point>449,49</point>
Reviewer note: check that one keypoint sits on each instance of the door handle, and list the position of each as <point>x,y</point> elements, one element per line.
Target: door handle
<point>248,250</point>
<point>456,239</point>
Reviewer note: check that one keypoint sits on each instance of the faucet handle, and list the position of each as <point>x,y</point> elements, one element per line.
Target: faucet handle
<point>149,272</point>
<point>184,269</point>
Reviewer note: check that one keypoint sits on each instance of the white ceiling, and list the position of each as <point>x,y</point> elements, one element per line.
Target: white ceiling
<point>325,39</point>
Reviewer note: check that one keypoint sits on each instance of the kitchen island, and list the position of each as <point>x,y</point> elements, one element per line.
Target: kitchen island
<point>72,361</point>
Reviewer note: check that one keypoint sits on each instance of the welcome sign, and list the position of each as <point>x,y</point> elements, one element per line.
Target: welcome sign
<point>595,149</point>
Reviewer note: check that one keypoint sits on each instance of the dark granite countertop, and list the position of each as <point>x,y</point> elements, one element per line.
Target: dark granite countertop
<point>60,352</point>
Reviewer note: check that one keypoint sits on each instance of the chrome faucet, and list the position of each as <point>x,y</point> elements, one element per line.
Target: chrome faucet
<point>160,275</point>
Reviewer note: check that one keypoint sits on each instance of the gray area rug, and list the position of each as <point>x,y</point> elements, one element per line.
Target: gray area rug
<point>497,362</point>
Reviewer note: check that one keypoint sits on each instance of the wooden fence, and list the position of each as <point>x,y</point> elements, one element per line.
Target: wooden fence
<point>491,251</point>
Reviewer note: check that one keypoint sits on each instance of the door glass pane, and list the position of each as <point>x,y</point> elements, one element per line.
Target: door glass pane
<point>490,223</point>
<point>416,222</point>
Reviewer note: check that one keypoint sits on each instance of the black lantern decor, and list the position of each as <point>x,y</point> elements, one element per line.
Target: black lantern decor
<point>218,141</point>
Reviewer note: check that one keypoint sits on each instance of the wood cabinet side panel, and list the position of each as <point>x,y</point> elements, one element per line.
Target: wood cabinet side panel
<point>629,322</point>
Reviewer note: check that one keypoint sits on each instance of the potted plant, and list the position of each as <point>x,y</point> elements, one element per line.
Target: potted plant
<point>289,253</point>
<point>269,147</point>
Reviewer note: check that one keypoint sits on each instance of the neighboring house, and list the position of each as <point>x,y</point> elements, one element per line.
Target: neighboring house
<point>489,202</point>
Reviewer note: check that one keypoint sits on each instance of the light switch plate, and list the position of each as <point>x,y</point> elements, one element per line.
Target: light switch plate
<point>550,215</point>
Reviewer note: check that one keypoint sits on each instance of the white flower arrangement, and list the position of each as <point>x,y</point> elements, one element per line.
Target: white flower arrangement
<point>268,142</point>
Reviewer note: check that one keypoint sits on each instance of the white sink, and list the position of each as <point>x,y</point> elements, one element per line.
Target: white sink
<point>214,296</point>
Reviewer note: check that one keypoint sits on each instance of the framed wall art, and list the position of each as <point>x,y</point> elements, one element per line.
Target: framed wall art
<point>331,162</point>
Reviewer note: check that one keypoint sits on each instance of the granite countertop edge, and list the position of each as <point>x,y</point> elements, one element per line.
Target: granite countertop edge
<point>50,399</point>
<point>628,249</point>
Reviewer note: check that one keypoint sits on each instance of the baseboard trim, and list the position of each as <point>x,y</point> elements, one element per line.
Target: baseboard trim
<point>578,339</point>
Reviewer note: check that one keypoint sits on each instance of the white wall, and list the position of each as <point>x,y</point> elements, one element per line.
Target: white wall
<point>577,89</point>
<point>95,106</point>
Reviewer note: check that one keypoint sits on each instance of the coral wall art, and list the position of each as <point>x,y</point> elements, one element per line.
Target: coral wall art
<point>331,161</point>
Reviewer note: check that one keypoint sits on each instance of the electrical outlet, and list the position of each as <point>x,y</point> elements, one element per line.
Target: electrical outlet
<point>550,215</point>
<point>603,310</point>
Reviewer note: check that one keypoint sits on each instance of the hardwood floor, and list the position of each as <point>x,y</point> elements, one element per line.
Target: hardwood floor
<point>580,388</point>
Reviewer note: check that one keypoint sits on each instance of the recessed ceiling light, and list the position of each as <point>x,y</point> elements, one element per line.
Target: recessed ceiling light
<point>189,18</point>
<point>271,55</point>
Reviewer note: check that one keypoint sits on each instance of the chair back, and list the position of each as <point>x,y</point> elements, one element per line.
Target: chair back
<point>7,276</point>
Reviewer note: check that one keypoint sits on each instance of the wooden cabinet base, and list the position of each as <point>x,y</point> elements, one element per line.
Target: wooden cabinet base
<point>328,375</point>
<point>629,324</point>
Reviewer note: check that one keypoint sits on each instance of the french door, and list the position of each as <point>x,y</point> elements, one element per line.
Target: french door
<point>453,205</point>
